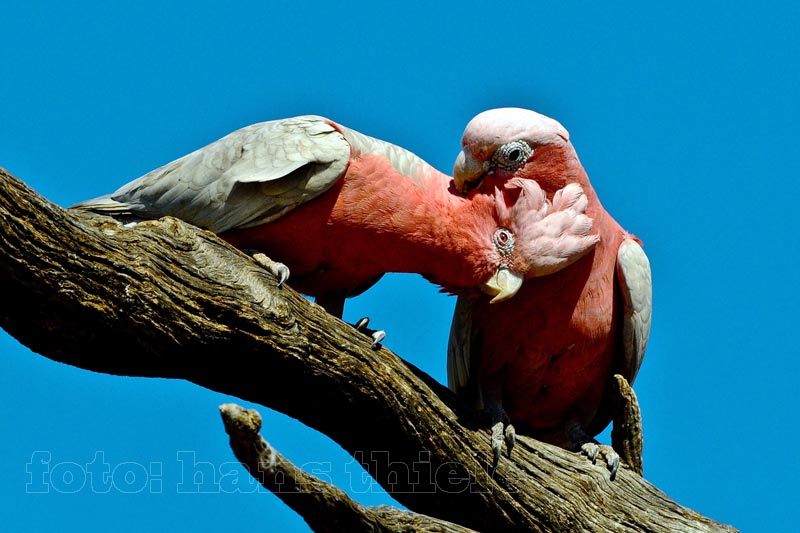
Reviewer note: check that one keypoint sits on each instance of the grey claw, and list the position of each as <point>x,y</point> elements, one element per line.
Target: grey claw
<point>496,453</point>
<point>612,460</point>
<point>280,270</point>
<point>282,273</point>
<point>377,337</point>
<point>510,438</point>
<point>497,444</point>
<point>591,450</point>
<point>611,457</point>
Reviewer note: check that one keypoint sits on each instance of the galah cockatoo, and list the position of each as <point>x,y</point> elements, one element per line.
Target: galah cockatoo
<point>340,209</point>
<point>545,359</point>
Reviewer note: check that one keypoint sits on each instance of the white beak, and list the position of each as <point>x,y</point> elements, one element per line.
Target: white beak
<point>503,285</point>
<point>467,169</point>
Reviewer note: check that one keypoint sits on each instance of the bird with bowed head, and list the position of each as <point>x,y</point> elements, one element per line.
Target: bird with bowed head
<point>339,209</point>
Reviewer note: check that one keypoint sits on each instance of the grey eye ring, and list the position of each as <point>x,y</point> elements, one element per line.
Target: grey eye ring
<point>512,155</point>
<point>504,241</point>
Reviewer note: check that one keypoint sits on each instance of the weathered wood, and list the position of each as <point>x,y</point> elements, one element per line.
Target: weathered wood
<point>324,507</point>
<point>165,299</point>
<point>626,434</point>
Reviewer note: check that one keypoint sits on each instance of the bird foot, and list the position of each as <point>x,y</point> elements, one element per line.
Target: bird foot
<point>502,432</point>
<point>592,450</point>
<point>280,270</point>
<point>589,447</point>
<point>377,335</point>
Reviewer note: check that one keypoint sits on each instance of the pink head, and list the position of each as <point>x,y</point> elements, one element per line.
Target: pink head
<point>536,236</point>
<point>512,142</point>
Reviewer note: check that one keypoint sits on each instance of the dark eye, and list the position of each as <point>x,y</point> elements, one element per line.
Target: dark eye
<point>512,155</point>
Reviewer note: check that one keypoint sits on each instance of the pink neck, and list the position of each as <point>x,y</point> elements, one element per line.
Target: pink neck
<point>419,225</point>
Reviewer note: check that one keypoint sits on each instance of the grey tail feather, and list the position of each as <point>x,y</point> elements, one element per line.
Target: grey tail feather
<point>104,205</point>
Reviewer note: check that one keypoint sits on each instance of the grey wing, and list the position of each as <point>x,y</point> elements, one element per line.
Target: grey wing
<point>249,177</point>
<point>633,270</point>
<point>460,375</point>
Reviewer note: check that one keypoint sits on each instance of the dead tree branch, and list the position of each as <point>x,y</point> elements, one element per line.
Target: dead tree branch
<point>165,299</point>
<point>626,434</point>
<point>324,507</point>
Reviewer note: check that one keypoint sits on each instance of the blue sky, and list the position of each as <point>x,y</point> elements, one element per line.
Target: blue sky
<point>685,117</point>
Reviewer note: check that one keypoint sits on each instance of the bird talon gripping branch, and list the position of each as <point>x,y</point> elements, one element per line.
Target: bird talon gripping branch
<point>377,337</point>
<point>497,445</point>
<point>280,270</point>
<point>591,450</point>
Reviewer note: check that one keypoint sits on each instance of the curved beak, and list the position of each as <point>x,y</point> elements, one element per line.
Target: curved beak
<point>503,285</point>
<point>466,170</point>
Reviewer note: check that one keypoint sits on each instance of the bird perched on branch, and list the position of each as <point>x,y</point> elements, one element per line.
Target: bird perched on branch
<point>545,359</point>
<point>340,209</point>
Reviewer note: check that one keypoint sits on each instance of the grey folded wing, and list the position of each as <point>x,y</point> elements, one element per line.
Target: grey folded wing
<point>633,270</point>
<point>461,378</point>
<point>249,177</point>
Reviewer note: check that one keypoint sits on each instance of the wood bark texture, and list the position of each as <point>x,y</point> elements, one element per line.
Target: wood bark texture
<point>168,300</point>
<point>326,508</point>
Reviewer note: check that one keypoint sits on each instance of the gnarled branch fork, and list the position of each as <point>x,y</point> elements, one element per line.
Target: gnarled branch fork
<point>166,299</point>
<point>326,508</point>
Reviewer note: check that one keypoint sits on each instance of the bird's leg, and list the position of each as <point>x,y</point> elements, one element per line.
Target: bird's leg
<point>502,430</point>
<point>280,270</point>
<point>333,303</point>
<point>581,441</point>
